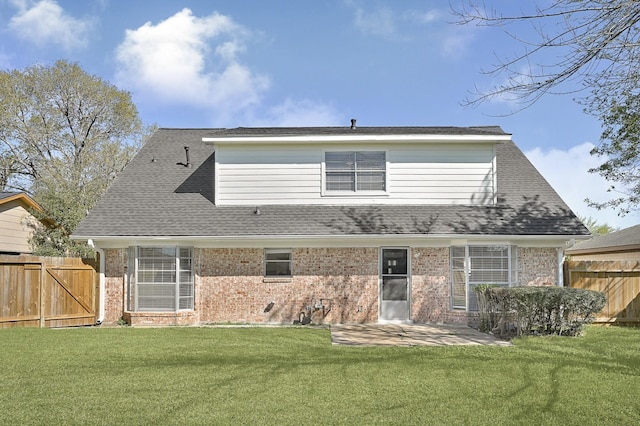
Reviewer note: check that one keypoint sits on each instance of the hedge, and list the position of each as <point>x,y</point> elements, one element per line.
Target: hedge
<point>537,310</point>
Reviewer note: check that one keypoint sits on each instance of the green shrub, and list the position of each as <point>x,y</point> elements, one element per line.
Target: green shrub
<point>488,306</point>
<point>537,310</point>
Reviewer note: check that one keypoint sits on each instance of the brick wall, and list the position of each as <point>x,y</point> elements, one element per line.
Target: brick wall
<point>115,271</point>
<point>329,285</point>
<point>539,266</point>
<point>231,286</point>
<point>430,288</point>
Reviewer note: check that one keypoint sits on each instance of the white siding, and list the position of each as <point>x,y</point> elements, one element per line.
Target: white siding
<point>442,174</point>
<point>268,175</point>
<point>416,174</point>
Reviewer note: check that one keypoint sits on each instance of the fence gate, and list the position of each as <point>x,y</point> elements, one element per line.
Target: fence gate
<point>47,292</point>
<point>618,280</point>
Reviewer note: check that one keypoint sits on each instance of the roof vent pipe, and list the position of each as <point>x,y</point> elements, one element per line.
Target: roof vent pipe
<point>186,151</point>
<point>353,123</point>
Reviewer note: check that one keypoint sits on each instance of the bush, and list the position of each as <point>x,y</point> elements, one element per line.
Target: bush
<point>537,310</point>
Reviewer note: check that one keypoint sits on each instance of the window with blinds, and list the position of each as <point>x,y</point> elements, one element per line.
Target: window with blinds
<point>475,265</point>
<point>349,171</point>
<point>163,279</point>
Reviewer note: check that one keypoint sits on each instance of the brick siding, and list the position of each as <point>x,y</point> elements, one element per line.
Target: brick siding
<point>114,277</point>
<point>231,286</point>
<point>539,266</point>
<point>329,285</point>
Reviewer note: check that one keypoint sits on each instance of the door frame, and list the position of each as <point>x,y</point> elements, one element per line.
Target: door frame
<point>380,281</point>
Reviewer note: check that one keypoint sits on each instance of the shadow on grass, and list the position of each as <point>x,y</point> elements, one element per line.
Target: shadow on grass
<point>556,366</point>
<point>283,375</point>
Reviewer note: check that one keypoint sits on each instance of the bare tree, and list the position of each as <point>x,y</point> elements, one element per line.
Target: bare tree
<point>593,42</point>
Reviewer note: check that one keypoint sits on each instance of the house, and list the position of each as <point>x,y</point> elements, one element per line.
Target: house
<point>324,224</point>
<point>16,222</point>
<point>609,264</point>
<point>619,245</point>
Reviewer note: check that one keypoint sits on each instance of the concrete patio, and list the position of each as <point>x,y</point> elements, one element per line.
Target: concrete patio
<point>410,335</point>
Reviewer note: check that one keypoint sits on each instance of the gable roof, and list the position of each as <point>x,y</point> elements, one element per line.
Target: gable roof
<point>624,240</point>
<point>6,197</point>
<point>156,196</point>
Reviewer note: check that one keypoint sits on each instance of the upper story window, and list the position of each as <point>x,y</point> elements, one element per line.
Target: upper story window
<point>354,171</point>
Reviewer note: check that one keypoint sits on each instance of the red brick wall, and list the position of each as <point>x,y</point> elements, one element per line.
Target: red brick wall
<point>539,266</point>
<point>430,286</point>
<point>115,270</point>
<point>230,286</point>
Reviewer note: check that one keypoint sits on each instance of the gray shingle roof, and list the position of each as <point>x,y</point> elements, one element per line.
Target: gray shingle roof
<point>625,239</point>
<point>348,131</point>
<point>4,194</point>
<point>156,195</point>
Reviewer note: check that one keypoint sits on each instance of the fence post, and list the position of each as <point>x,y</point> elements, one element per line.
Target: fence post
<point>43,270</point>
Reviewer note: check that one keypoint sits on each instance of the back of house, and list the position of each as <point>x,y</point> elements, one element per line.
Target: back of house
<point>323,224</point>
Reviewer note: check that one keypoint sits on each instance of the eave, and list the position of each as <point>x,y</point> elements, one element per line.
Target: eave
<point>341,139</point>
<point>302,241</point>
<point>603,250</point>
<point>22,197</point>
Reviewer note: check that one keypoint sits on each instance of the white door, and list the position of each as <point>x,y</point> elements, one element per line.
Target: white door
<point>394,285</point>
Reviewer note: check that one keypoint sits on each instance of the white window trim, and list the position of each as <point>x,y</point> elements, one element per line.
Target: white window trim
<point>277,277</point>
<point>513,274</point>
<point>381,276</point>
<point>177,281</point>
<point>356,193</point>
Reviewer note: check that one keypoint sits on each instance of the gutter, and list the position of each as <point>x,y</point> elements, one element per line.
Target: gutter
<point>101,286</point>
<point>329,237</point>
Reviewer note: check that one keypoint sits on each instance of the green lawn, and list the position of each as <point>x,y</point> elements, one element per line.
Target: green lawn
<point>295,376</point>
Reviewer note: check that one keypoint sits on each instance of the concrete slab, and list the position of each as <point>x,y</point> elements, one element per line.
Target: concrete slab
<point>410,335</point>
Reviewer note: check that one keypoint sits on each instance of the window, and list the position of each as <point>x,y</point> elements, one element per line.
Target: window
<point>355,171</point>
<point>277,263</point>
<point>163,279</point>
<point>474,265</point>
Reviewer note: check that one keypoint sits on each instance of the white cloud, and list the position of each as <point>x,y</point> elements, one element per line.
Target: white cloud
<point>501,93</point>
<point>175,62</point>
<point>421,17</point>
<point>45,22</point>
<point>379,21</point>
<point>456,40</point>
<point>452,41</point>
<point>567,172</point>
<point>294,113</point>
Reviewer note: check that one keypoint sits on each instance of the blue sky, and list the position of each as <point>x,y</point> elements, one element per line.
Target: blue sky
<point>230,63</point>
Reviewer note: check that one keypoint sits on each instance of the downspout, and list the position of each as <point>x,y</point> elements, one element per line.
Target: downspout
<point>101,286</point>
<point>560,267</point>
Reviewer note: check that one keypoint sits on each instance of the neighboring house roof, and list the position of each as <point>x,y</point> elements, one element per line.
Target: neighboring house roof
<point>6,197</point>
<point>156,195</point>
<point>627,239</point>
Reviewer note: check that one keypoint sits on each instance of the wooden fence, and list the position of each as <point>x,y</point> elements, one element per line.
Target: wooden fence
<point>618,280</point>
<point>47,291</point>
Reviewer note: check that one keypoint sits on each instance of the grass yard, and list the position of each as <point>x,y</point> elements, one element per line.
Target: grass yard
<point>295,376</point>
